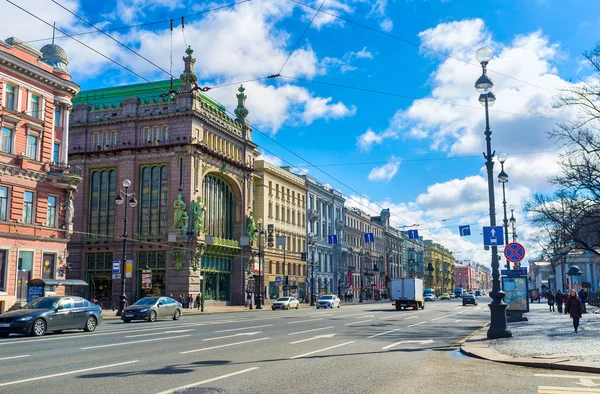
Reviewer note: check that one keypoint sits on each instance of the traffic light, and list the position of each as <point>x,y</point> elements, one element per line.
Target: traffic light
<point>303,256</point>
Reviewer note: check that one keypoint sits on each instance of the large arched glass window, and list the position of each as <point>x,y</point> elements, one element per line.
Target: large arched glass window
<point>154,187</point>
<point>101,217</point>
<point>220,204</point>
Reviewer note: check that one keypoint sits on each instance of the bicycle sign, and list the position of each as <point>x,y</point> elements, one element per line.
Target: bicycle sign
<point>514,252</point>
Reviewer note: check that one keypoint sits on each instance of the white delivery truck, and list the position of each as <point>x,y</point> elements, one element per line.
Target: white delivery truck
<point>406,293</point>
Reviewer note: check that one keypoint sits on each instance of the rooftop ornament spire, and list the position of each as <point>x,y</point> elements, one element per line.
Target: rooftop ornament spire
<point>241,111</point>
<point>54,55</point>
<point>188,77</point>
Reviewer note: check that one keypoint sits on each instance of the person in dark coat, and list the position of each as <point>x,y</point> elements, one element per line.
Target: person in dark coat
<point>551,301</point>
<point>559,300</point>
<point>583,298</point>
<point>574,308</point>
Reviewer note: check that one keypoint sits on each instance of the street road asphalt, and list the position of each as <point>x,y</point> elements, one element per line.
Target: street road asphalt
<point>361,348</point>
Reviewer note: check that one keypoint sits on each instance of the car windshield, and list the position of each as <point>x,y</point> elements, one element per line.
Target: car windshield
<point>147,301</point>
<point>327,298</point>
<point>42,303</point>
<point>445,294</point>
<point>283,299</point>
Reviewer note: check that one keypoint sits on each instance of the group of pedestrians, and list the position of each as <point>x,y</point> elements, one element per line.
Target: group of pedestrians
<point>189,301</point>
<point>574,304</point>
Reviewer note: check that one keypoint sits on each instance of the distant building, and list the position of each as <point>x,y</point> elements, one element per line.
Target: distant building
<point>439,267</point>
<point>413,256</point>
<point>466,276</point>
<point>36,181</point>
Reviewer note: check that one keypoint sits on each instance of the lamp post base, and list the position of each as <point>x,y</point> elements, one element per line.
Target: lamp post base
<point>312,300</point>
<point>498,327</point>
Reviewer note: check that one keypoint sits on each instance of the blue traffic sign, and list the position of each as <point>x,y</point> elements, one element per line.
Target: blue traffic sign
<point>116,267</point>
<point>518,272</point>
<point>514,252</point>
<point>464,230</point>
<point>332,239</point>
<point>413,234</point>
<point>369,237</point>
<point>493,236</point>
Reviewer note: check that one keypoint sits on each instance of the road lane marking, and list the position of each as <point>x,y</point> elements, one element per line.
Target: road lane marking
<point>226,345</point>
<point>132,342</point>
<point>320,314</point>
<point>314,329</point>
<point>344,316</point>
<point>456,321</point>
<point>244,328</point>
<point>412,317</point>
<point>67,373</point>
<point>187,386</point>
<point>11,357</point>
<point>401,342</point>
<point>383,333</point>
<point>452,314</point>
<point>313,338</point>
<point>239,334</point>
<point>158,333</point>
<point>303,321</point>
<point>364,316</point>
<point>543,375</point>
<point>566,390</point>
<point>416,324</point>
<point>358,322</point>
<point>322,350</point>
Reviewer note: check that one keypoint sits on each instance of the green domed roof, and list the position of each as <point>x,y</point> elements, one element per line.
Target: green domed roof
<point>54,56</point>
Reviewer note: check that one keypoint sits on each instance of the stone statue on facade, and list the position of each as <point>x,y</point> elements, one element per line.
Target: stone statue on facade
<point>250,229</point>
<point>70,210</point>
<point>198,209</point>
<point>179,223</point>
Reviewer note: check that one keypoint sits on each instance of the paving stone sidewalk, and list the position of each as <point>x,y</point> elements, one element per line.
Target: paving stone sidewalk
<point>551,335</point>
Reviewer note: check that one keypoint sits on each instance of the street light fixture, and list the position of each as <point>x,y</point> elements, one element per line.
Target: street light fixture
<point>132,203</point>
<point>503,179</point>
<point>260,232</point>
<point>513,223</point>
<point>498,327</point>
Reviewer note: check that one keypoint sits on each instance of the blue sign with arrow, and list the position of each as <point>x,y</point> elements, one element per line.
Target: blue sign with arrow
<point>464,230</point>
<point>332,239</point>
<point>413,234</point>
<point>369,238</point>
<point>493,236</point>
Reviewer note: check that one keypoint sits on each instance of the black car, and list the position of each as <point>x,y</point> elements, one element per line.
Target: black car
<point>51,314</point>
<point>152,308</point>
<point>469,299</point>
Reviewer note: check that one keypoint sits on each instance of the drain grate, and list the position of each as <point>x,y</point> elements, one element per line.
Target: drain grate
<point>199,390</point>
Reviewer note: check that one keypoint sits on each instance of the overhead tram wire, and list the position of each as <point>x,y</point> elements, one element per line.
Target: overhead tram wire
<point>145,24</point>
<point>406,41</point>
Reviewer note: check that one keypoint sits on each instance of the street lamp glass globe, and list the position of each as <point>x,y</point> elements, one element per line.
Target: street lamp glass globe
<point>132,202</point>
<point>126,183</point>
<point>502,177</point>
<point>513,220</point>
<point>484,85</point>
<point>119,199</point>
<point>259,221</point>
<point>484,54</point>
<point>512,207</point>
<point>502,157</point>
<point>491,98</point>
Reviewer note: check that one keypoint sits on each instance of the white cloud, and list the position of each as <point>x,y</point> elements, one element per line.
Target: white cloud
<point>346,62</point>
<point>271,159</point>
<point>386,172</point>
<point>386,25</point>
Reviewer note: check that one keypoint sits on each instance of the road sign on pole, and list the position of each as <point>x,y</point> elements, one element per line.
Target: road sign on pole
<point>413,234</point>
<point>514,252</point>
<point>464,230</point>
<point>332,239</point>
<point>116,267</point>
<point>369,238</point>
<point>493,236</point>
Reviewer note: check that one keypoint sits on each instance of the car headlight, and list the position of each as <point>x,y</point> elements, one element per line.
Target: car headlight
<point>25,318</point>
<point>144,310</point>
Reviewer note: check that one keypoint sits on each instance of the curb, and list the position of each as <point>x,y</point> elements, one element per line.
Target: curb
<point>478,346</point>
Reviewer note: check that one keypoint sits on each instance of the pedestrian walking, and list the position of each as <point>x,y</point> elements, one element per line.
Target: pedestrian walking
<point>583,298</point>
<point>551,301</point>
<point>190,301</point>
<point>559,301</point>
<point>182,300</point>
<point>198,301</point>
<point>574,308</point>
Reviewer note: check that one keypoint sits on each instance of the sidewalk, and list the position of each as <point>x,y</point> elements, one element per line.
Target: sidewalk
<point>547,340</point>
<point>212,308</point>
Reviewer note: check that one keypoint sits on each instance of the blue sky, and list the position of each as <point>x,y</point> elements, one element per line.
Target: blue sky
<point>420,154</point>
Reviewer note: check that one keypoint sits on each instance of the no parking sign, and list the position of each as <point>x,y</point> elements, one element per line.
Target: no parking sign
<point>514,252</point>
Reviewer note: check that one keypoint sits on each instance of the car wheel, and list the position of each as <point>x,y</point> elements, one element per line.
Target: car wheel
<point>464,304</point>
<point>272,308</point>
<point>90,324</point>
<point>317,307</point>
<point>39,328</point>
<point>177,315</point>
<point>338,304</point>
<point>152,317</point>
<point>297,305</point>
<point>57,331</point>
<point>4,334</point>
<point>126,321</point>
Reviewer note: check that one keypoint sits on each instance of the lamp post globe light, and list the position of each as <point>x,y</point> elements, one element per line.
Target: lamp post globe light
<point>132,203</point>
<point>260,232</point>
<point>312,244</point>
<point>498,327</point>
<point>503,179</point>
<point>513,223</point>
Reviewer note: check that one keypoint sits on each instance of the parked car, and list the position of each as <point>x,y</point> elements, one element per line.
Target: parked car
<point>151,309</point>
<point>478,293</point>
<point>469,299</point>
<point>285,303</point>
<point>452,295</point>
<point>445,296</point>
<point>51,314</point>
<point>328,301</point>
<point>429,297</point>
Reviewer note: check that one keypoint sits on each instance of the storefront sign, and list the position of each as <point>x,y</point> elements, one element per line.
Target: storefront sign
<point>146,279</point>
<point>34,292</point>
<point>128,268</point>
<point>515,290</point>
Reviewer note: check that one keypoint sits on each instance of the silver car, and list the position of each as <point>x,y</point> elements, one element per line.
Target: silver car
<point>151,309</point>
<point>328,301</point>
<point>285,303</point>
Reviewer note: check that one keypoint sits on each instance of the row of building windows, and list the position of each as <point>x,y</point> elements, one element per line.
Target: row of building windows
<point>277,268</point>
<point>34,103</point>
<point>105,139</point>
<point>288,195</point>
<point>287,216</point>
<point>29,207</point>
<point>219,144</point>
<point>32,147</point>
<point>292,244</point>
<point>156,134</point>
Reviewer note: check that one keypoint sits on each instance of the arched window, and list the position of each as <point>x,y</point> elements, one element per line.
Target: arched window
<point>101,219</point>
<point>154,187</point>
<point>220,207</point>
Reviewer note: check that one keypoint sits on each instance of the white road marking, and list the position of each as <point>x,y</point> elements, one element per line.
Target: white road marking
<point>158,333</point>
<point>322,350</point>
<point>303,321</point>
<point>11,357</point>
<point>383,333</point>
<point>456,321</point>
<point>401,342</point>
<point>344,316</point>
<point>187,386</point>
<point>416,324</point>
<point>321,314</point>
<point>543,375</point>
<point>452,314</point>
<point>358,322</point>
<point>132,342</point>
<point>226,345</point>
<point>314,329</point>
<point>412,317</point>
<point>239,334</point>
<point>244,328</point>
<point>67,373</point>
<point>567,390</point>
<point>313,338</point>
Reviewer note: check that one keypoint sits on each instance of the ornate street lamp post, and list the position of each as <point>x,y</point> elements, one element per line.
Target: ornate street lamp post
<point>132,203</point>
<point>312,244</point>
<point>498,327</point>
<point>513,223</point>
<point>503,179</point>
<point>260,232</point>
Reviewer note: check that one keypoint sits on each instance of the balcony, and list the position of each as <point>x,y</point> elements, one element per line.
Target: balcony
<point>312,214</point>
<point>64,172</point>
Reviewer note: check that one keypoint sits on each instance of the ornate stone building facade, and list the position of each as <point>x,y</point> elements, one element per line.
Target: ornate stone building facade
<point>413,264</point>
<point>190,167</point>
<point>442,278</point>
<point>280,202</point>
<point>36,181</point>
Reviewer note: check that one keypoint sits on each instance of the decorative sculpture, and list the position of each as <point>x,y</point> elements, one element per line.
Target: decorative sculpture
<point>198,209</point>
<point>251,228</point>
<point>179,223</point>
